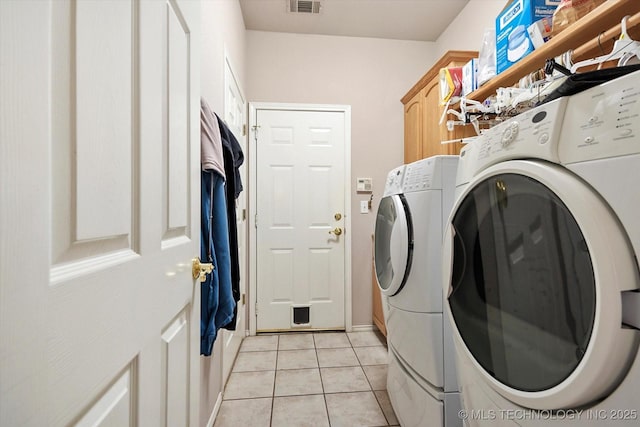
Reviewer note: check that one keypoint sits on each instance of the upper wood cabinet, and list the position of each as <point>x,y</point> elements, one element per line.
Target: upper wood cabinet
<point>423,133</point>
<point>413,113</point>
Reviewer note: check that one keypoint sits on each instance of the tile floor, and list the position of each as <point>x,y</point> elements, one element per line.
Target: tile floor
<point>308,379</point>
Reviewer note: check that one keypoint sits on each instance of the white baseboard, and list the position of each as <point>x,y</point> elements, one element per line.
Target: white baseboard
<point>214,413</point>
<point>362,328</point>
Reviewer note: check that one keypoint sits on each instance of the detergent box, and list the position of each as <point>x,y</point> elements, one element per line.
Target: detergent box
<point>512,39</point>
<point>469,77</point>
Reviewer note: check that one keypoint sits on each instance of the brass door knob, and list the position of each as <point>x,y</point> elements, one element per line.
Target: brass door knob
<point>337,231</point>
<point>200,269</point>
<point>338,216</point>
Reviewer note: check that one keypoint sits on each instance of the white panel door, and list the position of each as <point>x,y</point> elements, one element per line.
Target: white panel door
<point>235,118</point>
<point>300,175</point>
<point>99,213</point>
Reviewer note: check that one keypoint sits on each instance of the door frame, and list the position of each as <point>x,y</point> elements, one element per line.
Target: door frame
<point>232,340</point>
<point>253,248</point>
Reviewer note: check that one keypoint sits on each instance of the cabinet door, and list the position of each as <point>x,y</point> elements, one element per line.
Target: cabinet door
<point>413,113</point>
<point>423,132</point>
<point>430,120</point>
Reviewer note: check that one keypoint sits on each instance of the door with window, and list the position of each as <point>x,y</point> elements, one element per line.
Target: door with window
<point>99,213</point>
<point>301,218</point>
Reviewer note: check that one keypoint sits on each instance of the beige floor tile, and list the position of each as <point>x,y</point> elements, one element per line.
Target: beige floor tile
<point>255,361</point>
<point>354,410</point>
<point>299,411</point>
<point>297,359</point>
<point>260,343</point>
<point>296,342</point>
<point>293,382</point>
<point>331,340</point>
<point>367,338</point>
<point>340,380</point>
<point>372,355</point>
<point>387,409</point>
<point>377,376</point>
<point>245,412</point>
<point>243,385</point>
<point>328,357</point>
<point>307,366</point>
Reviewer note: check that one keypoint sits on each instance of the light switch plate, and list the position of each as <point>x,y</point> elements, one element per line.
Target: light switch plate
<point>364,206</point>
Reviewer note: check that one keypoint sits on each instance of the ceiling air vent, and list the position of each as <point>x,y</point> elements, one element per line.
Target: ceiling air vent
<point>304,6</point>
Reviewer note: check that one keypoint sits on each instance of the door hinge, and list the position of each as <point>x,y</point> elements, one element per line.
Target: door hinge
<point>244,130</point>
<point>255,221</point>
<point>256,310</point>
<point>244,299</point>
<point>244,214</point>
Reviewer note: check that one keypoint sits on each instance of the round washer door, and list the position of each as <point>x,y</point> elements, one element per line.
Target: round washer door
<point>537,264</point>
<point>393,244</point>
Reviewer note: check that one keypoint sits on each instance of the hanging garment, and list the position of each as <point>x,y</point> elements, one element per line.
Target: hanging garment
<point>233,159</point>
<point>217,306</point>
<point>232,152</point>
<point>211,156</point>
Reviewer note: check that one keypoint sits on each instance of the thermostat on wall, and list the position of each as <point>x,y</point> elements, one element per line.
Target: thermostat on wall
<point>365,185</point>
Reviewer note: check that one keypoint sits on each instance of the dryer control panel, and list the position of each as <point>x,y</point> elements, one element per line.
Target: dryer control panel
<point>532,134</point>
<point>419,175</point>
<point>429,173</point>
<point>394,181</point>
<point>603,121</point>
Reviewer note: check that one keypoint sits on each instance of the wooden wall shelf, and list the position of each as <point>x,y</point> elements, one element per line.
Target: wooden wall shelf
<point>605,17</point>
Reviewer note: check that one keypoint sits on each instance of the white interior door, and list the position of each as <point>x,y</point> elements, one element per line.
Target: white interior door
<point>235,117</point>
<point>99,213</point>
<point>300,202</point>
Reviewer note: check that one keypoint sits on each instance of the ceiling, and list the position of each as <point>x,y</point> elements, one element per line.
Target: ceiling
<point>422,20</point>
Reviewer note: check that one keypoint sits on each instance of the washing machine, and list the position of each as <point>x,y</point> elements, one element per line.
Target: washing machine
<point>540,264</point>
<point>421,378</point>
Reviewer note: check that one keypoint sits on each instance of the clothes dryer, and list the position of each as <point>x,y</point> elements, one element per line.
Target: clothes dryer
<point>421,382</point>
<point>541,264</point>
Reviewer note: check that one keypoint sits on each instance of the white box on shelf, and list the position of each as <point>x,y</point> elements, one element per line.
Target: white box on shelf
<point>469,77</point>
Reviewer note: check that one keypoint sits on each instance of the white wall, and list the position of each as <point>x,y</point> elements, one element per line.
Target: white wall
<point>371,75</point>
<point>222,29</point>
<point>465,32</point>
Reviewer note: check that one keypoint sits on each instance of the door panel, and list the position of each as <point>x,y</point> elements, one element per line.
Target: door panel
<point>300,179</point>
<point>99,315</point>
<point>177,200</point>
<point>114,407</point>
<point>105,126</point>
<point>90,137</point>
<point>235,117</point>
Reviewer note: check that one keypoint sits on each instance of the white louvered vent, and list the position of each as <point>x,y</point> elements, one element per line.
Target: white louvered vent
<point>304,6</point>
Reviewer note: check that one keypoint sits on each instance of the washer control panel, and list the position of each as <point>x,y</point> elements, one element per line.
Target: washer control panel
<point>532,134</point>
<point>603,121</point>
